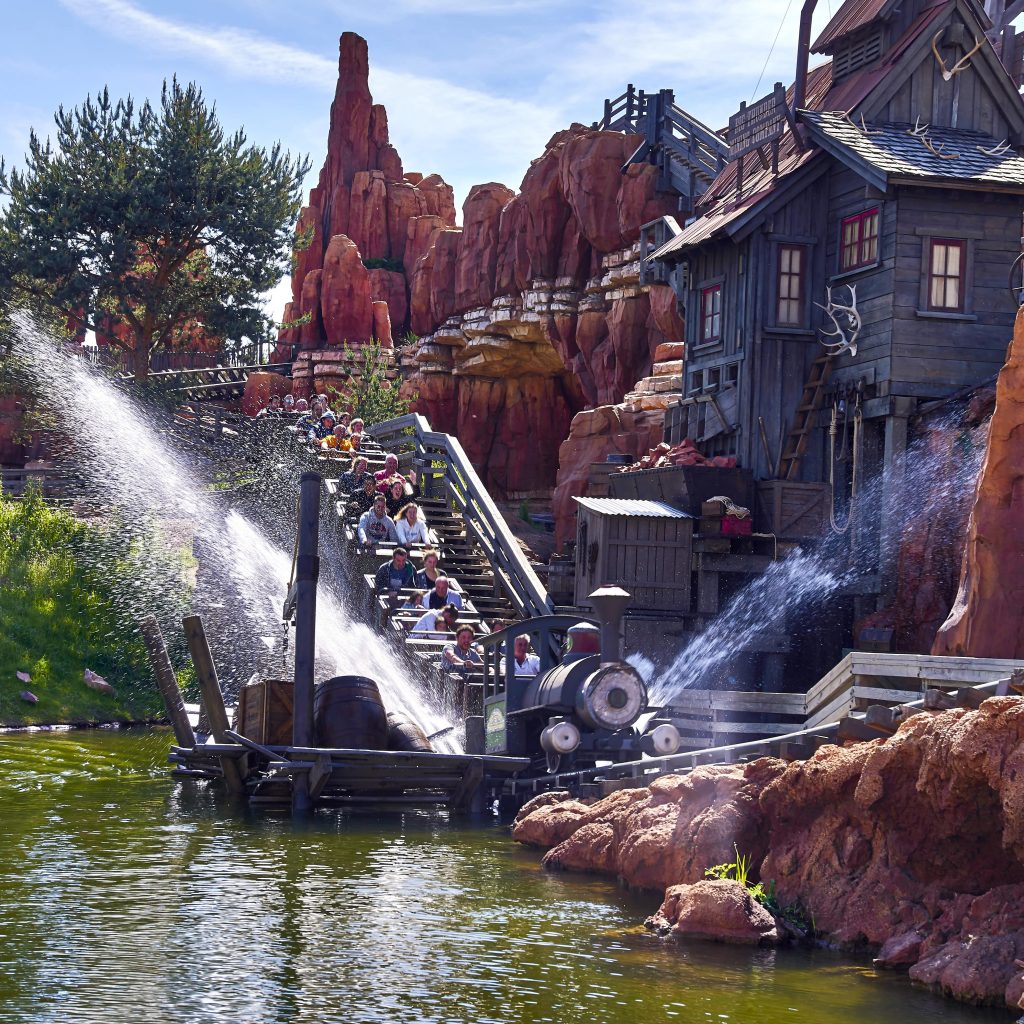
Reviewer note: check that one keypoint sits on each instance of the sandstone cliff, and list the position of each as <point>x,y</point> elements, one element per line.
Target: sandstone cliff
<point>913,846</point>
<point>987,619</point>
<point>527,313</point>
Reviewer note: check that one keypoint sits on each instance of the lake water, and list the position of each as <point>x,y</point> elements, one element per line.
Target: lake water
<point>128,897</point>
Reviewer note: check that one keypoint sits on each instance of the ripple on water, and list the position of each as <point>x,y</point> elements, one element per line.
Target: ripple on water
<point>128,897</point>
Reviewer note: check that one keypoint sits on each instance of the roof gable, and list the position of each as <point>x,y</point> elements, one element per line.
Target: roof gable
<point>853,16</point>
<point>914,72</point>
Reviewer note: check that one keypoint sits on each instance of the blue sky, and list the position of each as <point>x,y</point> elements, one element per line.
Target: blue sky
<point>474,88</point>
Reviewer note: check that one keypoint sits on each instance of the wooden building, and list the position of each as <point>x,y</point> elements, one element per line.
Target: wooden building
<point>854,252</point>
<point>643,546</point>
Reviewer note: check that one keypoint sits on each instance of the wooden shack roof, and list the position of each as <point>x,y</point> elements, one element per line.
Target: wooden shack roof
<point>852,16</point>
<point>636,507</point>
<point>885,153</point>
<point>721,210</point>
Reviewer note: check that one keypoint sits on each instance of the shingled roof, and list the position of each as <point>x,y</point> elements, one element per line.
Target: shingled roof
<point>888,152</point>
<point>853,15</point>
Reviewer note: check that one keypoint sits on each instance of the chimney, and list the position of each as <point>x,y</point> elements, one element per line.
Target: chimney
<point>609,605</point>
<point>803,54</point>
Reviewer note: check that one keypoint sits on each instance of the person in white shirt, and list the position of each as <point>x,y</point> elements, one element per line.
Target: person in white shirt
<point>410,527</point>
<point>436,624</point>
<point>526,665</point>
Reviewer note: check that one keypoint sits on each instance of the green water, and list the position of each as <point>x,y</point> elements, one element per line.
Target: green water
<point>127,897</point>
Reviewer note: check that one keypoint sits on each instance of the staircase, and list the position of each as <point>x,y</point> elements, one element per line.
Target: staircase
<point>803,422</point>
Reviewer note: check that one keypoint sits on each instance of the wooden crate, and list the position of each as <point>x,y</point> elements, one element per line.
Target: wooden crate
<point>685,487</point>
<point>265,711</point>
<point>793,510</point>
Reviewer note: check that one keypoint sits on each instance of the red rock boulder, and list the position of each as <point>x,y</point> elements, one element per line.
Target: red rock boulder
<point>346,301</point>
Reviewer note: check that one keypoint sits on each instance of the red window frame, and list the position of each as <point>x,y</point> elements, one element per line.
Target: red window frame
<point>945,285</point>
<point>858,240</point>
<point>710,315</point>
<point>789,285</point>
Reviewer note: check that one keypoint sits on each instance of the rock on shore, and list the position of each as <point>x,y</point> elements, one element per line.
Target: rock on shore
<point>911,846</point>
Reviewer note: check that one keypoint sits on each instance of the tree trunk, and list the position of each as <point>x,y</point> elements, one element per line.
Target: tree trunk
<point>140,360</point>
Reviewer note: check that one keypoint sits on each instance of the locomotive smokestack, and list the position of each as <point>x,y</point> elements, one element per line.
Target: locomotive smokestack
<point>609,605</point>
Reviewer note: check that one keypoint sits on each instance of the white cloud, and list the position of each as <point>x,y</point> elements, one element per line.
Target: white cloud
<point>435,124</point>
<point>235,50</point>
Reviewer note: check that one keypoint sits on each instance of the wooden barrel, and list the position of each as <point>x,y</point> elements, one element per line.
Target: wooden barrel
<point>404,734</point>
<point>348,713</point>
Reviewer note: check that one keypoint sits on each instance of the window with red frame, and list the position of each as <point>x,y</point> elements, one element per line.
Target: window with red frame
<point>711,314</point>
<point>859,240</point>
<point>789,307</point>
<point>946,275</point>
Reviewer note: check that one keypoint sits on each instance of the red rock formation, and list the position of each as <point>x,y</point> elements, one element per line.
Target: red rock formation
<point>389,286</point>
<point>914,844</point>
<point>382,324</point>
<point>345,300</point>
<point>987,620</point>
<point>362,194</point>
<point>312,331</point>
<point>478,246</point>
<point>717,909</point>
<point>512,374</point>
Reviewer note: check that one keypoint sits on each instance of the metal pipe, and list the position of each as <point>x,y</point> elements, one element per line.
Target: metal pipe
<point>803,54</point>
<point>609,605</point>
<point>307,571</point>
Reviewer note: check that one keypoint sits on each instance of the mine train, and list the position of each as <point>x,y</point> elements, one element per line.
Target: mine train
<point>583,705</point>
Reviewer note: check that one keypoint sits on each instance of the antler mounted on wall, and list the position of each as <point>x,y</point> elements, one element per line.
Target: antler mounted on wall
<point>847,324</point>
<point>962,64</point>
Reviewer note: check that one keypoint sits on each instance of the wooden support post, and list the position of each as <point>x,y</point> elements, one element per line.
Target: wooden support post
<point>167,682</point>
<point>213,699</point>
<point>891,524</point>
<point>307,571</point>
<point>707,592</point>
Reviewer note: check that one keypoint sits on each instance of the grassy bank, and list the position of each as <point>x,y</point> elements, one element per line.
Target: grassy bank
<point>70,594</point>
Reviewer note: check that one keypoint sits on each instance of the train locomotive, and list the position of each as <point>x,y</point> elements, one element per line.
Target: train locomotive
<point>582,706</point>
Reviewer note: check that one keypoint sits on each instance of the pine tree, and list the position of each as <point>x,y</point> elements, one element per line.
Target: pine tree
<point>153,219</point>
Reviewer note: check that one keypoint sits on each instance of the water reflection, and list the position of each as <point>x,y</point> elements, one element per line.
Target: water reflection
<point>129,897</point>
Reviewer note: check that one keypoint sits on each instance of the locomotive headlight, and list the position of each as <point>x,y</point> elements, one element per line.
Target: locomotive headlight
<point>560,738</point>
<point>661,741</point>
<point>614,697</point>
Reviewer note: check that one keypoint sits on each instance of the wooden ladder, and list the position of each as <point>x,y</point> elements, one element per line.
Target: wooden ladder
<point>803,422</point>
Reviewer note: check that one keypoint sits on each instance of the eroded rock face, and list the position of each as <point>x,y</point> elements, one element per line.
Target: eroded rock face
<point>345,296</point>
<point>987,619</point>
<point>527,313</point>
<point>912,845</point>
<point>364,196</point>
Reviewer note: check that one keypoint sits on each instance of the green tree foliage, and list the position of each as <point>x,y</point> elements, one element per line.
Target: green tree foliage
<point>153,216</point>
<point>71,594</point>
<point>369,394</point>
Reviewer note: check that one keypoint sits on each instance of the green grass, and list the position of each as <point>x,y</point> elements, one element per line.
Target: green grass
<point>67,604</point>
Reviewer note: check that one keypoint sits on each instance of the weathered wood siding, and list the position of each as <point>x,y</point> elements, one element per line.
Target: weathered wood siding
<point>970,99</point>
<point>648,556</point>
<point>933,354</point>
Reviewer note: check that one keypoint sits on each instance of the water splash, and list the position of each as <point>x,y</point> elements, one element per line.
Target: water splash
<point>121,454</point>
<point>758,609</point>
<point>929,486</point>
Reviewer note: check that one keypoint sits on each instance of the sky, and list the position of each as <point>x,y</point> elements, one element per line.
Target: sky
<point>473,88</point>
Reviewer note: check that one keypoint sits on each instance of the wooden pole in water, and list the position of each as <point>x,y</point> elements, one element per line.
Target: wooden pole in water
<point>307,571</point>
<point>167,682</point>
<point>213,698</point>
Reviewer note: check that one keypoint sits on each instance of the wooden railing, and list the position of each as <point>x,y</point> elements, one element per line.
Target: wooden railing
<point>445,470</point>
<point>689,154</point>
